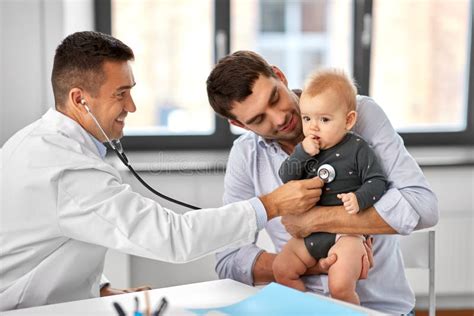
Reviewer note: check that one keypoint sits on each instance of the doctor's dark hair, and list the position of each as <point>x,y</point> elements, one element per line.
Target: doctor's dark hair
<point>232,79</point>
<point>78,62</point>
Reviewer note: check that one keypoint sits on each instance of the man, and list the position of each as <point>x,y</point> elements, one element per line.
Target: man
<point>63,206</point>
<point>253,95</point>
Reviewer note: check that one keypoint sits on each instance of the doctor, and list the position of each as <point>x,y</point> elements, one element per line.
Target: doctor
<point>63,206</point>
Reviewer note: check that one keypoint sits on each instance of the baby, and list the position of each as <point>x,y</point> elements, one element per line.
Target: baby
<point>352,175</point>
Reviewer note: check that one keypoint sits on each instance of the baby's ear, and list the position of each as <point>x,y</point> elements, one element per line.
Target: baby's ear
<point>351,119</point>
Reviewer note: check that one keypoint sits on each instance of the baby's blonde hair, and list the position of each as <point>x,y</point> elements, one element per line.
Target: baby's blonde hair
<point>335,79</point>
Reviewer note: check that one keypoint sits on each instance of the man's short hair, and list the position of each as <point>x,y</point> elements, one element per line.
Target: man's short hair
<point>79,59</point>
<point>232,80</point>
<point>335,79</point>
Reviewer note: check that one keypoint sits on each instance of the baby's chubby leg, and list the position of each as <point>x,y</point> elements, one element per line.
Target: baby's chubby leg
<point>344,274</point>
<point>291,263</point>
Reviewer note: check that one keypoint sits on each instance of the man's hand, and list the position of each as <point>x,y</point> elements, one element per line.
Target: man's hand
<point>311,145</point>
<point>322,265</point>
<point>335,219</point>
<point>350,202</point>
<point>294,197</point>
<point>108,290</point>
<point>298,226</point>
<point>367,260</point>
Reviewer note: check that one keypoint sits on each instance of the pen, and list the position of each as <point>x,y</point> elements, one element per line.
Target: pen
<point>161,308</point>
<point>119,309</point>
<point>137,308</point>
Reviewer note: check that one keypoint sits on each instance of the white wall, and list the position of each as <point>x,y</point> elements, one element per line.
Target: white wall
<point>30,31</point>
<point>21,65</point>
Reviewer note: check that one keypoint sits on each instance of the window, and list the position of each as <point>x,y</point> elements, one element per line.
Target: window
<point>173,42</point>
<point>298,36</point>
<point>412,56</point>
<point>419,66</point>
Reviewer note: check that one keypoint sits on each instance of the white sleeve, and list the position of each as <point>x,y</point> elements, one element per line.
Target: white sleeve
<point>104,281</point>
<point>409,202</point>
<point>95,207</point>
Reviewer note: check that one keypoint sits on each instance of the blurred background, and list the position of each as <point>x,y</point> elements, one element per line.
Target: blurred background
<point>414,57</point>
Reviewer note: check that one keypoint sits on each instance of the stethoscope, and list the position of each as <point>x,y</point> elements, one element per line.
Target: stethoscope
<point>326,173</point>
<point>116,146</point>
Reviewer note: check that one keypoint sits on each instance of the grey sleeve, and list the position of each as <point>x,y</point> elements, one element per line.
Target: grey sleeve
<point>371,174</point>
<point>293,168</point>
<point>237,263</point>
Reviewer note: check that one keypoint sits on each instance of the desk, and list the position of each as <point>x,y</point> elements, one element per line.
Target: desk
<point>198,295</point>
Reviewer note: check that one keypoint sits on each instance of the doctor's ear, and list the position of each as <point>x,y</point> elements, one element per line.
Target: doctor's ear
<point>77,100</point>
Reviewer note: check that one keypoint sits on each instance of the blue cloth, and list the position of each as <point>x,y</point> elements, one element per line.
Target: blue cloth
<point>276,300</point>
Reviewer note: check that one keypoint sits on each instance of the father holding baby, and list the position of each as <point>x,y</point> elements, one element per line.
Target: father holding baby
<point>255,96</point>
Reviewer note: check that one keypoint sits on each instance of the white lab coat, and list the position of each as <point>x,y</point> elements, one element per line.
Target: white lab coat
<point>62,207</point>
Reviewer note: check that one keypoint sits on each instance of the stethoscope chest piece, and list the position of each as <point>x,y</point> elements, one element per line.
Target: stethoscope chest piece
<point>326,173</point>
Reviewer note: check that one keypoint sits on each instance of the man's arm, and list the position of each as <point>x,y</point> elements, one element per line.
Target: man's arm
<point>249,264</point>
<point>263,268</point>
<point>409,202</point>
<point>335,219</point>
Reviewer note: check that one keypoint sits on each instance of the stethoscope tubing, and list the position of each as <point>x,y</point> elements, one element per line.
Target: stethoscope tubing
<point>124,160</point>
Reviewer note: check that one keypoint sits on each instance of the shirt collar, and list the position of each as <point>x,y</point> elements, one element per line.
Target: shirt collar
<point>264,142</point>
<point>270,144</point>
<point>100,147</point>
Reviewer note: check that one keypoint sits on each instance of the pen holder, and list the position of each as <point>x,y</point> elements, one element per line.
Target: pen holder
<point>161,307</point>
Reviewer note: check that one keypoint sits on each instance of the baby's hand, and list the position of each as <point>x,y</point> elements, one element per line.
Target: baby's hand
<point>311,145</point>
<point>350,202</point>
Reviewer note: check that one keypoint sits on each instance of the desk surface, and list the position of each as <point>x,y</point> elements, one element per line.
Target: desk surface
<point>198,295</point>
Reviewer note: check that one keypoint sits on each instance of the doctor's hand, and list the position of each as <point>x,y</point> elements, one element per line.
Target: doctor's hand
<point>294,197</point>
<point>108,290</point>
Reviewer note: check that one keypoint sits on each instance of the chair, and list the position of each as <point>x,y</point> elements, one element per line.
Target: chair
<point>418,250</point>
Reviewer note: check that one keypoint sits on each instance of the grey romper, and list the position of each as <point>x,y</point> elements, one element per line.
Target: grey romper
<point>357,170</point>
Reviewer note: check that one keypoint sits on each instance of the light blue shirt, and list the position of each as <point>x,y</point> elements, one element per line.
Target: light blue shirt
<point>408,204</point>
<point>100,147</point>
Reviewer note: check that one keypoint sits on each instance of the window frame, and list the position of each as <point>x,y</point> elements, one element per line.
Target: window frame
<point>362,59</point>
<point>222,138</point>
